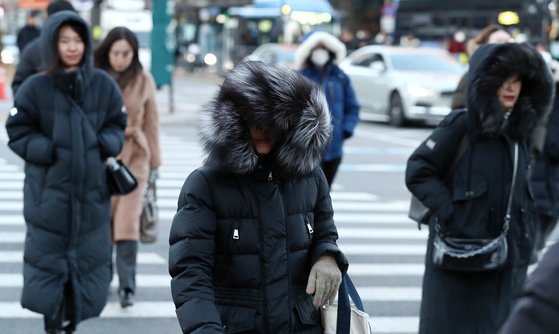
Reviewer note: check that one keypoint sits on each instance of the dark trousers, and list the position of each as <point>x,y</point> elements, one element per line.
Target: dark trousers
<point>64,314</point>
<point>330,168</point>
<point>126,253</point>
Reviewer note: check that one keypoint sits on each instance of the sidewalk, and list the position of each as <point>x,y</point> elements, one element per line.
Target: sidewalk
<point>190,92</point>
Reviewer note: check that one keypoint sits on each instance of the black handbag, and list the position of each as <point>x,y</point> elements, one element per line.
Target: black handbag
<point>474,254</point>
<point>119,178</point>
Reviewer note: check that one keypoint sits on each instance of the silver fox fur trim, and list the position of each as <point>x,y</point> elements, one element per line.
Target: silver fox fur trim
<point>270,97</point>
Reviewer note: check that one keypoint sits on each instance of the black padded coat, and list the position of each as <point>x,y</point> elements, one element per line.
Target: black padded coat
<point>249,228</point>
<point>63,126</point>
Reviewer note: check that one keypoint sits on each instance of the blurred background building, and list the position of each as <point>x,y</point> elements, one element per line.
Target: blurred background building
<point>216,34</point>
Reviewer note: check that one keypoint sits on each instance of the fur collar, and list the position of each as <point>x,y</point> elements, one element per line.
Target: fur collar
<point>490,66</point>
<point>315,38</point>
<point>275,98</point>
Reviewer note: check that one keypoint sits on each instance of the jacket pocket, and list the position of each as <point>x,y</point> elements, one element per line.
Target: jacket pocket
<point>235,319</point>
<point>463,192</point>
<point>306,313</point>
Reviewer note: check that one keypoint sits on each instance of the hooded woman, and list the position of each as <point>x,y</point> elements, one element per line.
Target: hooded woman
<point>254,236</point>
<point>510,89</point>
<point>317,57</point>
<point>65,122</point>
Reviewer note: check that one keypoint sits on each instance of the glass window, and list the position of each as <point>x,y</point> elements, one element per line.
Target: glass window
<point>424,62</point>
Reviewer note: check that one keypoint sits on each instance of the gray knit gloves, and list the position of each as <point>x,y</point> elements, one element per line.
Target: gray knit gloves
<point>324,280</point>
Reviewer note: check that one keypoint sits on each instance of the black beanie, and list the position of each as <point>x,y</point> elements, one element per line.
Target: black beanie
<point>58,6</point>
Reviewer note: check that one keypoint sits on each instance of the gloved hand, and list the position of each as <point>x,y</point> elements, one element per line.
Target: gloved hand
<point>153,175</point>
<point>324,280</point>
<point>347,134</point>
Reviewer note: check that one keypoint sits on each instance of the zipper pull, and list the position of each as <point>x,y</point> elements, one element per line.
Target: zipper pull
<point>236,234</point>
<point>309,227</point>
<point>270,176</point>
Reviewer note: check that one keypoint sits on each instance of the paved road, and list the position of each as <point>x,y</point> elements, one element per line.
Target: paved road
<point>385,249</point>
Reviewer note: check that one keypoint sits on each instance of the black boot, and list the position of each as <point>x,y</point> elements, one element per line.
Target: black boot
<point>126,297</point>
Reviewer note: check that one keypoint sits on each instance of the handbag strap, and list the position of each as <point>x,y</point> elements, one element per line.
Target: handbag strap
<point>346,291</point>
<point>513,182</point>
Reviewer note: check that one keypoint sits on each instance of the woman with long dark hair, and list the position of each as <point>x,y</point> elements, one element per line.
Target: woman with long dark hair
<point>117,54</point>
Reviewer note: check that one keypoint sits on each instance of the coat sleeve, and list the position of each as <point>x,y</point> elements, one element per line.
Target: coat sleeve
<point>111,133</point>
<point>351,107</point>
<point>151,123</point>
<point>428,164</point>
<point>191,258</point>
<point>23,126</point>
<point>325,232</point>
<point>28,65</point>
<point>537,311</point>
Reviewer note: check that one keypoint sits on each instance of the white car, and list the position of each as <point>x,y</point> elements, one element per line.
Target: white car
<point>9,55</point>
<point>402,85</point>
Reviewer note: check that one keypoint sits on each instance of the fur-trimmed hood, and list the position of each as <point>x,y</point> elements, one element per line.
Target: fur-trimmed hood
<point>273,98</point>
<point>312,40</point>
<point>490,66</point>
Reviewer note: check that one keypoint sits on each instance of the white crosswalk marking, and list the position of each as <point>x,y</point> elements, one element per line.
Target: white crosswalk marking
<point>368,228</point>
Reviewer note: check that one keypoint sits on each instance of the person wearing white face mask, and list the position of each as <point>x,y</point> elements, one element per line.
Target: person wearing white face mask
<point>317,59</point>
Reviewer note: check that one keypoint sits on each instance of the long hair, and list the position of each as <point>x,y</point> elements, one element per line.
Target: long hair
<point>101,54</point>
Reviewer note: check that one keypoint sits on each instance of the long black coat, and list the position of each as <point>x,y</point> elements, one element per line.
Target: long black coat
<point>249,228</point>
<point>473,202</point>
<point>66,198</point>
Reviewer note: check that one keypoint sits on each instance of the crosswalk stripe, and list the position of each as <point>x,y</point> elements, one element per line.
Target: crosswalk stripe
<point>166,309</point>
<point>385,269</point>
<point>391,249</point>
<point>367,218</point>
<point>394,324</point>
<point>11,194</point>
<point>11,176</point>
<point>9,168</point>
<point>143,258</point>
<point>11,220</point>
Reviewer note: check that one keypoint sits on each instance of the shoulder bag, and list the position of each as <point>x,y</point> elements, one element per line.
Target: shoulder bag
<point>149,219</point>
<point>120,179</point>
<point>344,317</point>
<point>474,254</point>
<point>418,212</point>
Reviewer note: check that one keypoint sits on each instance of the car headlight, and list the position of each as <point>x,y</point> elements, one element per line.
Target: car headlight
<point>420,91</point>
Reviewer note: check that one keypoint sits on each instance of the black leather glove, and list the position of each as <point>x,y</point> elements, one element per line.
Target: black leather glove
<point>324,280</point>
<point>347,134</point>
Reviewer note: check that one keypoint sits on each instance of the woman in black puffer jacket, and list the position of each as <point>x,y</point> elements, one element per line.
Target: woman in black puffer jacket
<point>254,235</point>
<point>65,122</point>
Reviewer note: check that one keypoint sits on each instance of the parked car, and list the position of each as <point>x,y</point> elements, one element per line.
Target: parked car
<point>277,54</point>
<point>9,54</point>
<point>402,85</point>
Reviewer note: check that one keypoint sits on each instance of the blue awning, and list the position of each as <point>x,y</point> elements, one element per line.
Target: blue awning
<point>272,8</point>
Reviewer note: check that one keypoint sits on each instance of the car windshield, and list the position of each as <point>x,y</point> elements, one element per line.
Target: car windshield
<point>424,63</point>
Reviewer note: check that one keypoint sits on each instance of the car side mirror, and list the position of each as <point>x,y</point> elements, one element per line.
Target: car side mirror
<point>377,66</point>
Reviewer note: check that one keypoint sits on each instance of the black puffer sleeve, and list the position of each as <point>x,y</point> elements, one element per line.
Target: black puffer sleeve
<point>429,163</point>
<point>191,257</point>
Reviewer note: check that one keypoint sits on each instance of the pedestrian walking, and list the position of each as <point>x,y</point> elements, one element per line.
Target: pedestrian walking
<point>537,312</point>
<point>317,57</point>
<point>254,237</point>
<point>492,34</point>
<point>28,32</point>
<point>65,122</point>
<point>29,59</point>
<point>510,88</point>
<point>118,55</point>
